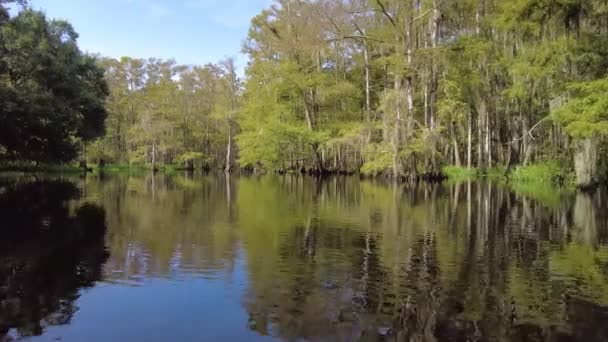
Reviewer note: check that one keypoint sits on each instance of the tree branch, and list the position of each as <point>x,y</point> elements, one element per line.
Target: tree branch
<point>388,16</point>
<point>344,37</point>
<point>529,132</point>
<point>355,37</point>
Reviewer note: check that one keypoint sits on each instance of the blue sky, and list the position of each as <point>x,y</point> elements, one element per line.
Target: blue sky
<point>190,31</point>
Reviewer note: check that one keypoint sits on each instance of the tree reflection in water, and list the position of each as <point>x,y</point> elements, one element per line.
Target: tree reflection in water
<point>338,259</point>
<point>455,262</point>
<point>48,252</point>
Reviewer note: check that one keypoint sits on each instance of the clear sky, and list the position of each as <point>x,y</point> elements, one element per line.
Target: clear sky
<point>190,31</point>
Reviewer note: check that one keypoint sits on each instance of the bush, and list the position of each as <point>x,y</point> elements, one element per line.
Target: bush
<point>460,173</point>
<point>543,173</point>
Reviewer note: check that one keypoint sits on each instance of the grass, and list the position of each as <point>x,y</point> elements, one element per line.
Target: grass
<point>547,182</point>
<point>171,168</point>
<point>121,168</point>
<point>547,173</point>
<point>551,173</point>
<point>457,173</point>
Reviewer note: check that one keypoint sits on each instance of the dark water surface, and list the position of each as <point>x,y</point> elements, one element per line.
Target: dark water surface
<point>206,258</point>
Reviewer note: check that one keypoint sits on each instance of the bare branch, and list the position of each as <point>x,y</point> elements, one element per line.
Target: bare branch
<point>355,37</point>
<point>529,132</point>
<point>425,13</point>
<point>343,36</point>
<point>386,14</point>
<point>367,10</point>
<point>359,29</point>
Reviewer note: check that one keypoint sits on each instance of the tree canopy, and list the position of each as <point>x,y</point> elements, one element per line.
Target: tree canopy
<point>402,88</point>
<point>52,95</point>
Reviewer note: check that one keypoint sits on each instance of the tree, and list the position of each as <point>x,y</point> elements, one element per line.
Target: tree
<point>51,93</point>
<point>585,117</point>
<point>398,88</point>
<point>227,105</point>
<point>163,113</point>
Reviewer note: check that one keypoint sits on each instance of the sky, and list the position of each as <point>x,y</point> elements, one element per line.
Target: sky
<point>189,31</point>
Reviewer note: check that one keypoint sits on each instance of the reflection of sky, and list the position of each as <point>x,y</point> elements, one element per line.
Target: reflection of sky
<point>191,31</point>
<point>199,309</point>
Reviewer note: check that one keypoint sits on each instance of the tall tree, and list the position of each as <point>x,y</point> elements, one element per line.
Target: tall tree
<point>51,93</point>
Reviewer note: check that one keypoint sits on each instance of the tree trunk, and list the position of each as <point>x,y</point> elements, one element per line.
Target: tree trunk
<point>153,155</point>
<point>488,141</point>
<point>83,162</point>
<point>585,163</point>
<point>318,160</point>
<point>229,151</point>
<point>470,142</point>
<point>368,106</point>
<point>481,124</point>
<point>456,152</point>
<point>397,130</point>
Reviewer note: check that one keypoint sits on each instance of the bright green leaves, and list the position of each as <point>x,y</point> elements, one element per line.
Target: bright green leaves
<point>294,96</point>
<point>585,114</point>
<point>452,107</point>
<point>191,156</point>
<point>379,159</point>
<point>161,111</point>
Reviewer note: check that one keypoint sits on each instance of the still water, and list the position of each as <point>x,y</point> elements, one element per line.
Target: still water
<point>210,258</point>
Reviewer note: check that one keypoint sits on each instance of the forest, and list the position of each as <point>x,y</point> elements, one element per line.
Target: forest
<point>407,89</point>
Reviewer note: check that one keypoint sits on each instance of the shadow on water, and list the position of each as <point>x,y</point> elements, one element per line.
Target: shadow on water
<point>49,250</point>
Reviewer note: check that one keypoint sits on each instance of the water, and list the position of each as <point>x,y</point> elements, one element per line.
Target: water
<point>193,258</point>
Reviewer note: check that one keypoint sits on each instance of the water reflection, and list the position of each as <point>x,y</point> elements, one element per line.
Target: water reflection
<point>166,227</point>
<point>48,252</point>
<point>292,258</point>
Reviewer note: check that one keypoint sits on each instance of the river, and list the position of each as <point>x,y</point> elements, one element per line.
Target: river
<point>261,258</point>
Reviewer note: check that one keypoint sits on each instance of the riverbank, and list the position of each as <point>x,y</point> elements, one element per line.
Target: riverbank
<point>75,168</point>
<point>543,175</point>
<point>546,174</point>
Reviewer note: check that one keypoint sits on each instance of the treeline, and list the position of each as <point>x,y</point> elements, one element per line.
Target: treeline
<point>393,87</point>
<point>400,88</point>
<point>164,113</point>
<point>405,87</point>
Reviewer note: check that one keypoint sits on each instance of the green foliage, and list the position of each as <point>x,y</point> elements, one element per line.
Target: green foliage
<point>456,173</point>
<point>96,152</point>
<point>122,169</point>
<point>379,159</point>
<point>543,173</point>
<point>159,110</point>
<point>51,94</point>
<point>483,83</point>
<point>352,89</point>
<point>585,114</point>
<point>193,159</point>
<point>190,156</point>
